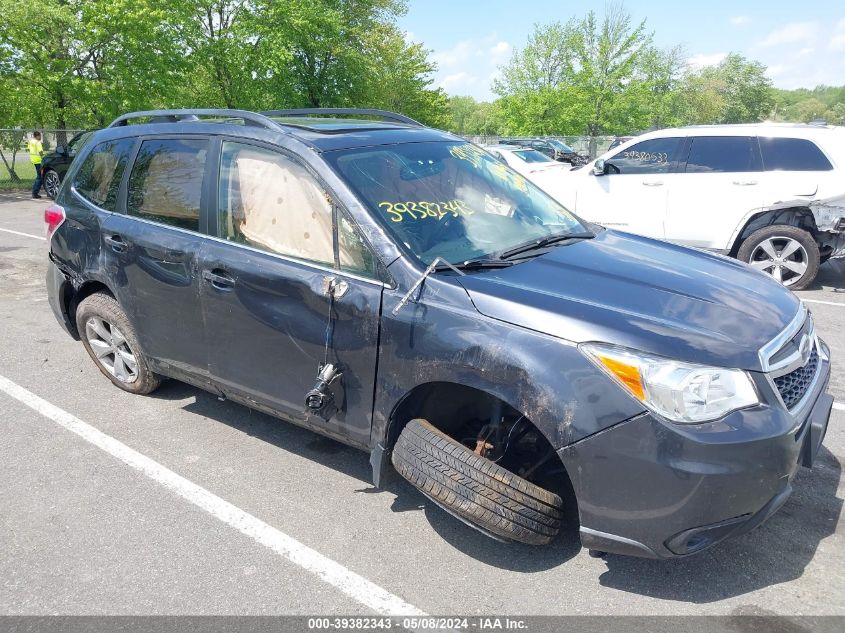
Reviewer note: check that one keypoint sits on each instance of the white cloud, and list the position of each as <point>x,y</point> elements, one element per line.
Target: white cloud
<point>697,62</point>
<point>409,37</point>
<point>837,42</point>
<point>790,34</point>
<point>470,65</point>
<point>740,20</point>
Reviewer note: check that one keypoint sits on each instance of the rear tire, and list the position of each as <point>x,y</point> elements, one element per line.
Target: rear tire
<point>764,249</point>
<point>475,489</point>
<point>111,342</point>
<point>52,182</point>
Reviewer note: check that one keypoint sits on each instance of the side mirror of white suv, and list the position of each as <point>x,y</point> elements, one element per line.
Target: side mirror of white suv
<point>598,168</point>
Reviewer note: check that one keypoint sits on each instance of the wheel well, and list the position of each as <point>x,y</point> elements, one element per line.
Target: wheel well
<point>800,217</point>
<point>84,291</point>
<point>484,422</point>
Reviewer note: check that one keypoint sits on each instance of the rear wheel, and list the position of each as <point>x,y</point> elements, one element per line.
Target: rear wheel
<point>111,342</point>
<point>787,253</point>
<point>52,182</point>
<point>475,489</point>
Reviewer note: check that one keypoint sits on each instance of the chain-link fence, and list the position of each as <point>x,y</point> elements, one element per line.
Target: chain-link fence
<point>16,169</point>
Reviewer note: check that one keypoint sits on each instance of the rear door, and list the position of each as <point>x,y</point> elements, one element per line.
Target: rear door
<point>720,183</point>
<point>633,192</point>
<point>283,295</point>
<point>796,169</point>
<point>151,252</point>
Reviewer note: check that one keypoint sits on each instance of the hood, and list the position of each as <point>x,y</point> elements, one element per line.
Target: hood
<point>641,293</point>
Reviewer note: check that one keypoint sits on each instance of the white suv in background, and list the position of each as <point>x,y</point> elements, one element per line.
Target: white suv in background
<point>772,195</point>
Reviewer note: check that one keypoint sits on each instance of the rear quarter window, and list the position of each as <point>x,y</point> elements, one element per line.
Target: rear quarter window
<point>98,178</point>
<point>792,154</point>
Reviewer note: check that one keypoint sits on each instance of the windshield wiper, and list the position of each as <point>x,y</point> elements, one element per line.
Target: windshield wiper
<point>543,242</point>
<point>441,264</point>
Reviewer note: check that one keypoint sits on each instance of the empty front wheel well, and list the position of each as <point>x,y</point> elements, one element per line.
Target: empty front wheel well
<point>487,425</point>
<point>800,217</point>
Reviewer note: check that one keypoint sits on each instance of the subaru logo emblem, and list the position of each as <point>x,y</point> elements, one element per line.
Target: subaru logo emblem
<point>805,349</point>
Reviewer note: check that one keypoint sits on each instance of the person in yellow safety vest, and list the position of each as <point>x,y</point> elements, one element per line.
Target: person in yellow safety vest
<point>36,151</point>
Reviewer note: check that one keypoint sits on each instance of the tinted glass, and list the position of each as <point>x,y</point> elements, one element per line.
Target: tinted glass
<point>166,182</point>
<point>561,146</point>
<point>450,200</point>
<point>709,154</point>
<point>792,154</point>
<point>98,178</point>
<point>531,156</point>
<point>78,142</point>
<point>269,201</point>
<point>655,156</point>
<point>354,252</point>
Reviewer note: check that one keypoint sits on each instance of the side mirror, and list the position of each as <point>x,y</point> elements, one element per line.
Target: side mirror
<point>61,150</point>
<point>599,168</point>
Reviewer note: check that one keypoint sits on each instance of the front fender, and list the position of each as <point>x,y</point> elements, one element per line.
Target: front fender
<point>442,338</point>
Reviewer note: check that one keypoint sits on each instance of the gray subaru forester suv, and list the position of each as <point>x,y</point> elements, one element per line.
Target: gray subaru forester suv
<point>398,289</point>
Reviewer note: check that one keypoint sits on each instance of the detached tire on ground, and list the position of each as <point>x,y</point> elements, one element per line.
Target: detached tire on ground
<point>111,342</point>
<point>475,489</point>
<point>791,255</point>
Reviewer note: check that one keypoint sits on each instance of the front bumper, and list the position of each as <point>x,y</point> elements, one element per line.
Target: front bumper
<point>654,489</point>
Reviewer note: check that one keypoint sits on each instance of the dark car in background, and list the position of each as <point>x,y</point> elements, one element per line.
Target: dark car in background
<point>54,165</point>
<point>551,147</point>
<point>401,290</point>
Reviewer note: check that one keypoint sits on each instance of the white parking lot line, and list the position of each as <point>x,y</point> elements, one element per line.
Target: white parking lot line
<point>839,407</point>
<point>35,237</point>
<point>827,303</point>
<point>356,587</point>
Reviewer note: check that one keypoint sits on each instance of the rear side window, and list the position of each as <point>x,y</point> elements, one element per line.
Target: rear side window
<point>792,154</point>
<point>655,156</point>
<point>715,154</point>
<point>98,178</point>
<point>166,182</point>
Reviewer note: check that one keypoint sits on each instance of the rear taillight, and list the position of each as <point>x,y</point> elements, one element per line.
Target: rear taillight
<point>54,215</point>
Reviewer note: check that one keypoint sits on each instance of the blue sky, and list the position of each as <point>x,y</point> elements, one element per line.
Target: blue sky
<point>802,43</point>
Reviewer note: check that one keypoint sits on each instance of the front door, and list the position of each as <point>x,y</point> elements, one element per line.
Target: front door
<point>633,192</point>
<point>282,296</point>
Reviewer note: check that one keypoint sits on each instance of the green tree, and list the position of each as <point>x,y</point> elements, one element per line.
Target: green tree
<point>735,91</point>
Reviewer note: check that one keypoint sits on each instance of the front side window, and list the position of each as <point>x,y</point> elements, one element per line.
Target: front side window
<point>715,154</point>
<point>166,182</point>
<point>98,178</point>
<point>450,199</point>
<point>270,202</point>
<point>792,154</point>
<point>655,156</point>
<point>78,142</point>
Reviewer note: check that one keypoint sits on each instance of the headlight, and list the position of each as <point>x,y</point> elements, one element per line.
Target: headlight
<point>681,392</point>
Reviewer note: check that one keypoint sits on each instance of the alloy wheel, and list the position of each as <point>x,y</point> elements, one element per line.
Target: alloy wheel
<point>111,350</point>
<point>782,257</point>
<point>51,183</point>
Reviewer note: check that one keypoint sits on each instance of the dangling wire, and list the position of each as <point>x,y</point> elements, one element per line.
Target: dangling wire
<point>329,328</point>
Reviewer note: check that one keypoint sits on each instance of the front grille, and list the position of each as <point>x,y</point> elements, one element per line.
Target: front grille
<point>794,385</point>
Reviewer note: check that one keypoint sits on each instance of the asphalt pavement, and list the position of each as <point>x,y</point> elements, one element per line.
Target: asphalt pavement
<point>178,503</point>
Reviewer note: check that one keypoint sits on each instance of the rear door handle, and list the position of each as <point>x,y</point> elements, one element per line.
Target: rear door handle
<point>219,278</point>
<point>745,183</point>
<point>653,183</point>
<point>116,242</point>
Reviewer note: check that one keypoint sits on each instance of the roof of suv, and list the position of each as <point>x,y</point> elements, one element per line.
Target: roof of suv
<point>324,129</point>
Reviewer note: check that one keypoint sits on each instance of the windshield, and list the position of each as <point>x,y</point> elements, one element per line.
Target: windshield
<point>532,156</point>
<point>561,146</point>
<point>451,199</point>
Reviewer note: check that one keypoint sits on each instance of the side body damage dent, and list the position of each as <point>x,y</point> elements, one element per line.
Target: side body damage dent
<point>440,337</point>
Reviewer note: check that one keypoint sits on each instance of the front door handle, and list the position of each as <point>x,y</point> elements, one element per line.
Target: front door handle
<point>219,278</point>
<point>745,183</point>
<point>116,242</point>
<point>334,287</point>
<point>653,183</point>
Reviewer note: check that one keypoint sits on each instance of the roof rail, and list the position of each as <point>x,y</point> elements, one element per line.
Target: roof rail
<point>174,116</point>
<point>384,114</point>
